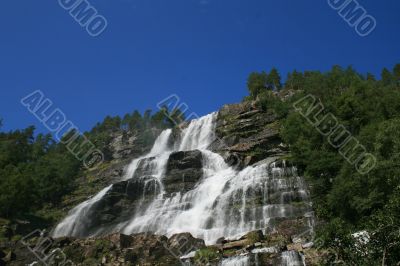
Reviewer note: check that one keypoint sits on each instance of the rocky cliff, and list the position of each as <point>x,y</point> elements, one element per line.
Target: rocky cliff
<point>262,213</point>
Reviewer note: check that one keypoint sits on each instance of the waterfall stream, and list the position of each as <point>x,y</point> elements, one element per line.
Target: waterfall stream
<point>224,203</point>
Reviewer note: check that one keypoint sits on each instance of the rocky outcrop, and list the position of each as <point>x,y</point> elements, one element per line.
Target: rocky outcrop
<point>184,243</point>
<point>149,249</point>
<point>145,249</point>
<point>247,134</point>
<point>184,170</point>
<point>130,144</point>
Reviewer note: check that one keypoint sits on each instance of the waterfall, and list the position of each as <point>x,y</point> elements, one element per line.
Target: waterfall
<point>236,261</point>
<point>225,202</point>
<point>292,258</point>
<point>74,222</point>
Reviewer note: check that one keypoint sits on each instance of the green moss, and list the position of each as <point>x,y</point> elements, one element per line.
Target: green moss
<point>207,254</point>
<point>229,252</point>
<point>74,253</point>
<point>16,238</point>
<point>254,237</point>
<point>102,245</point>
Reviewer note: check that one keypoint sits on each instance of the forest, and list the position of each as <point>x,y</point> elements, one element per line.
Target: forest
<point>36,171</point>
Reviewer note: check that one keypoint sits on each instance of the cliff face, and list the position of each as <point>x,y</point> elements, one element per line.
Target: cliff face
<point>264,196</point>
<point>246,134</point>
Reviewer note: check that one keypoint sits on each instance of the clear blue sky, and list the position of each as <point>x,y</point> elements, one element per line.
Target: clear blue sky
<point>201,50</point>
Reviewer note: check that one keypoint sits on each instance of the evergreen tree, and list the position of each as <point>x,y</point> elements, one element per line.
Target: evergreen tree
<point>370,77</point>
<point>396,73</point>
<point>295,80</point>
<point>386,77</point>
<point>256,83</point>
<point>274,80</point>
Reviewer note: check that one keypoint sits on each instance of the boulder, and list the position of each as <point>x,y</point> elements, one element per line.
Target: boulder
<point>184,243</point>
<point>120,240</point>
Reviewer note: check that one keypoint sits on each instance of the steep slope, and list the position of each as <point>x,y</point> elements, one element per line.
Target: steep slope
<point>222,178</point>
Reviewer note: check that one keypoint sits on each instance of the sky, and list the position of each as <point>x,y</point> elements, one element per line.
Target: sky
<point>200,50</point>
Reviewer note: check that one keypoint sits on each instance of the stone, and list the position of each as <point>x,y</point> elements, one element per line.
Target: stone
<point>238,244</point>
<point>120,240</point>
<point>221,240</point>
<point>184,170</point>
<point>248,132</point>
<point>184,243</point>
<point>9,257</point>
<point>254,236</point>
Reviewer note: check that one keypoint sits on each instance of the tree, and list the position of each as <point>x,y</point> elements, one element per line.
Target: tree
<point>256,83</point>
<point>295,80</point>
<point>274,80</point>
<point>396,73</point>
<point>125,121</point>
<point>370,77</point>
<point>386,77</point>
<point>136,121</point>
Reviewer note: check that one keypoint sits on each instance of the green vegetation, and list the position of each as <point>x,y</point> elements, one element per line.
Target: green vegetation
<point>259,82</point>
<point>345,199</point>
<point>206,255</point>
<point>36,172</point>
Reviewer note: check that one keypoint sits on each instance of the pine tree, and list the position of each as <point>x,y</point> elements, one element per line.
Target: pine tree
<point>274,80</point>
<point>256,83</point>
<point>396,73</point>
<point>387,77</point>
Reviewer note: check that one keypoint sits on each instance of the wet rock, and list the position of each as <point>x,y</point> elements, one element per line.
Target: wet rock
<point>268,259</point>
<point>120,240</point>
<point>118,204</point>
<point>184,243</point>
<point>221,240</point>
<point>184,170</point>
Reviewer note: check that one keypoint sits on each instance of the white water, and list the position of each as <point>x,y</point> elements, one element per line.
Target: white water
<point>236,261</point>
<point>292,258</point>
<point>220,205</point>
<point>72,223</point>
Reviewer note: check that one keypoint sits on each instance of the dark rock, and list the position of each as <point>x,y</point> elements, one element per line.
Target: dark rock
<point>119,204</point>
<point>183,243</point>
<point>9,257</point>
<point>221,240</point>
<point>120,240</point>
<point>63,241</point>
<point>184,170</point>
<point>269,259</point>
<point>185,159</point>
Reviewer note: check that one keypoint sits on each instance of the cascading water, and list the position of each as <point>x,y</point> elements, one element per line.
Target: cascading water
<point>72,224</point>
<point>224,203</point>
<point>75,222</point>
<point>292,258</point>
